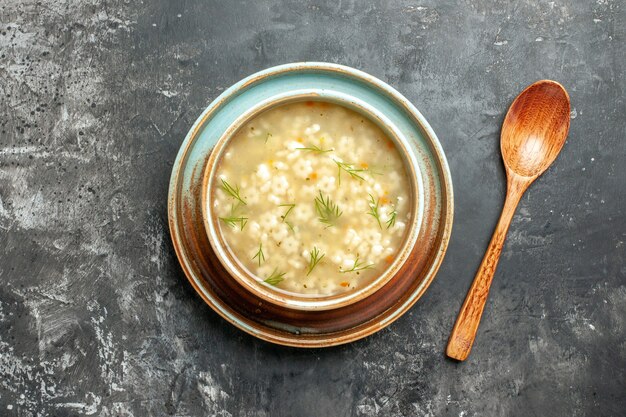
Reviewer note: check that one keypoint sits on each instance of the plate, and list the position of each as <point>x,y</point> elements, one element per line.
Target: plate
<point>275,323</point>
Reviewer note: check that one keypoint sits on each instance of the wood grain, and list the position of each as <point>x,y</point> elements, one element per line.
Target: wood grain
<point>467,322</point>
<point>533,134</point>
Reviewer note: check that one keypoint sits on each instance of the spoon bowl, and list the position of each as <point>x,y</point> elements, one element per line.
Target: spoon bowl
<point>535,128</point>
<point>533,133</point>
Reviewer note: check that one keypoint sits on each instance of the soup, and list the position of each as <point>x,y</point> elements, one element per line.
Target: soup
<point>312,198</point>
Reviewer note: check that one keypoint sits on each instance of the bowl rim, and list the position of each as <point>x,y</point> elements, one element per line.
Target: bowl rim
<point>289,299</point>
<point>179,195</point>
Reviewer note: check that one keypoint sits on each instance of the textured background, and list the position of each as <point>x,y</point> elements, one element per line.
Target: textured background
<point>96,317</point>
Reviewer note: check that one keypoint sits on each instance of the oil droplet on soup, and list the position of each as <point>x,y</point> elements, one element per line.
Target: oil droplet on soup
<point>312,198</point>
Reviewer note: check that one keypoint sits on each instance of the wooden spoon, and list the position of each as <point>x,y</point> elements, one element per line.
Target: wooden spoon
<point>533,133</point>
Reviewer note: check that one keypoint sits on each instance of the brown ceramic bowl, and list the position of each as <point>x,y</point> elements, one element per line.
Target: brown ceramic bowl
<point>297,319</point>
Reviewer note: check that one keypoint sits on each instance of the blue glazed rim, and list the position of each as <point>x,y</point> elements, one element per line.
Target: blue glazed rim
<point>229,106</point>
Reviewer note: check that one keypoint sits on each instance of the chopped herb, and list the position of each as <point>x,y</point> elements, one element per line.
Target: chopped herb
<point>291,206</point>
<point>373,204</point>
<point>315,258</point>
<point>232,191</point>
<point>234,208</point>
<point>327,210</point>
<point>290,226</point>
<point>275,277</point>
<point>269,135</point>
<point>358,266</point>
<point>392,219</point>
<point>316,149</point>
<point>260,256</point>
<point>350,169</point>
<point>234,221</point>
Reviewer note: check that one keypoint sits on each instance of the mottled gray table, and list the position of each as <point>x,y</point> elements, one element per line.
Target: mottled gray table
<point>96,317</point>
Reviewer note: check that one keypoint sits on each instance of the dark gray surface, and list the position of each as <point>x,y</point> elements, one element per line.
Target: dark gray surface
<point>96,317</point>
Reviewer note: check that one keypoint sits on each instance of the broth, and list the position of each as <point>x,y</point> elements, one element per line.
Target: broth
<point>312,198</point>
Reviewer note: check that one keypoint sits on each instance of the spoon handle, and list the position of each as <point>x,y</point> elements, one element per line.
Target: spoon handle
<point>464,331</point>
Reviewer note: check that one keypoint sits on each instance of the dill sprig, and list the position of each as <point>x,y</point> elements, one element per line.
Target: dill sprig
<point>260,256</point>
<point>392,219</point>
<point>315,258</point>
<point>275,277</point>
<point>350,169</point>
<point>373,205</point>
<point>315,149</point>
<point>284,216</point>
<point>358,266</point>
<point>234,221</point>
<point>327,210</point>
<point>232,191</point>
<point>269,135</point>
<point>235,207</point>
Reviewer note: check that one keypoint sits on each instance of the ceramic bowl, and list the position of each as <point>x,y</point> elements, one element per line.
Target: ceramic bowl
<point>297,319</point>
<point>287,299</point>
